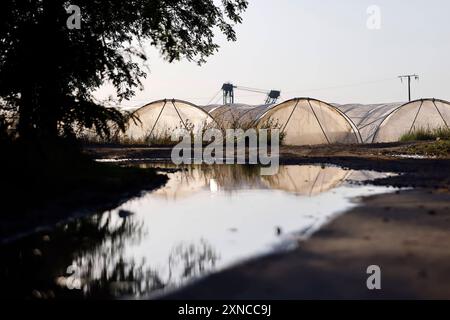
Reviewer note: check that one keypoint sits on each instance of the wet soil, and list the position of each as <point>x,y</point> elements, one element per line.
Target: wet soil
<point>383,157</point>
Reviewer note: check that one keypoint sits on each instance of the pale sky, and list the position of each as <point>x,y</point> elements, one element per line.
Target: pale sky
<point>321,49</point>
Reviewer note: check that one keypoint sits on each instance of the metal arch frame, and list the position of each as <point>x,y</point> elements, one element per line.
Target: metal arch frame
<point>253,122</point>
<point>366,117</point>
<point>386,118</point>
<point>342,114</point>
<point>371,111</point>
<point>290,115</point>
<point>157,119</point>
<point>317,119</point>
<point>174,101</point>
<point>439,111</point>
<point>415,117</point>
<point>228,108</point>
<point>334,184</point>
<point>379,118</point>
<point>178,113</point>
<point>213,109</point>
<point>220,112</point>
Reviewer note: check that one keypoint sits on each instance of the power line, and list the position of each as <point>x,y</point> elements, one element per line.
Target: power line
<point>343,86</point>
<point>209,102</point>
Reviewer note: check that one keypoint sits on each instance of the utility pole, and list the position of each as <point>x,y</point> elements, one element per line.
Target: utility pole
<point>409,76</point>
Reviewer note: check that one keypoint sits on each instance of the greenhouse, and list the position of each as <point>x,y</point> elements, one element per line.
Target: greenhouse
<point>427,114</point>
<point>231,116</point>
<point>368,117</point>
<point>157,120</point>
<point>306,121</point>
<point>388,122</point>
<point>302,121</point>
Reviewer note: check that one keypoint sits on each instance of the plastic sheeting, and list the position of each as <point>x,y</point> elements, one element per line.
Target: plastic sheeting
<point>388,122</point>
<point>306,121</point>
<point>230,116</point>
<point>157,120</point>
<point>368,117</point>
<point>302,121</point>
<point>307,180</point>
<point>428,114</point>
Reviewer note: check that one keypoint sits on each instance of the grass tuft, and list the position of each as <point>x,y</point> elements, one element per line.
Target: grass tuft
<point>427,134</point>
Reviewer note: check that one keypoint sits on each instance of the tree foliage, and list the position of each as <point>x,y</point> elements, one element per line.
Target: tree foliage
<point>48,72</point>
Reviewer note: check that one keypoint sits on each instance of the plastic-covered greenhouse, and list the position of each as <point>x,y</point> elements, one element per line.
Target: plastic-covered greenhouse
<point>388,122</point>
<point>231,116</point>
<point>368,117</point>
<point>306,121</point>
<point>158,119</point>
<point>302,121</point>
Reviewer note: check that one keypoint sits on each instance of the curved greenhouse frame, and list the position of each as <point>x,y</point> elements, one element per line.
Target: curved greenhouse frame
<point>229,116</point>
<point>315,179</point>
<point>307,121</point>
<point>158,120</point>
<point>389,122</point>
<point>422,114</point>
<point>368,117</point>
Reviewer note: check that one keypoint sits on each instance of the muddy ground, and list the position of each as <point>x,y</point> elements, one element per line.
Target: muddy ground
<point>406,233</point>
<point>426,172</point>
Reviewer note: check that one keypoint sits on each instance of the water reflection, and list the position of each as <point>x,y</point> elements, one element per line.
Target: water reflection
<point>86,258</point>
<point>299,179</point>
<point>307,180</point>
<point>70,261</point>
<point>204,219</point>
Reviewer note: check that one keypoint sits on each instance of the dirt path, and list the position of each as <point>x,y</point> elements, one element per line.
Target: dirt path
<point>406,234</point>
<point>379,150</point>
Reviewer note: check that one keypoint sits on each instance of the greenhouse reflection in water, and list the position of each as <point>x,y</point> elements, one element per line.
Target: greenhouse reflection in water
<point>204,219</point>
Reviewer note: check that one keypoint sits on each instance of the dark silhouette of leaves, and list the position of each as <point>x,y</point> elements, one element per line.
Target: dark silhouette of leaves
<point>48,72</point>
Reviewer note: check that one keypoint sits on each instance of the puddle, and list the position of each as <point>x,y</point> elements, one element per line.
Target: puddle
<point>205,219</point>
<point>414,156</point>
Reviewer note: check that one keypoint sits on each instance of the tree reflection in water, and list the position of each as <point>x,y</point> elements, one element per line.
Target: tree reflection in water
<point>103,273</point>
<point>85,258</point>
<point>188,261</point>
